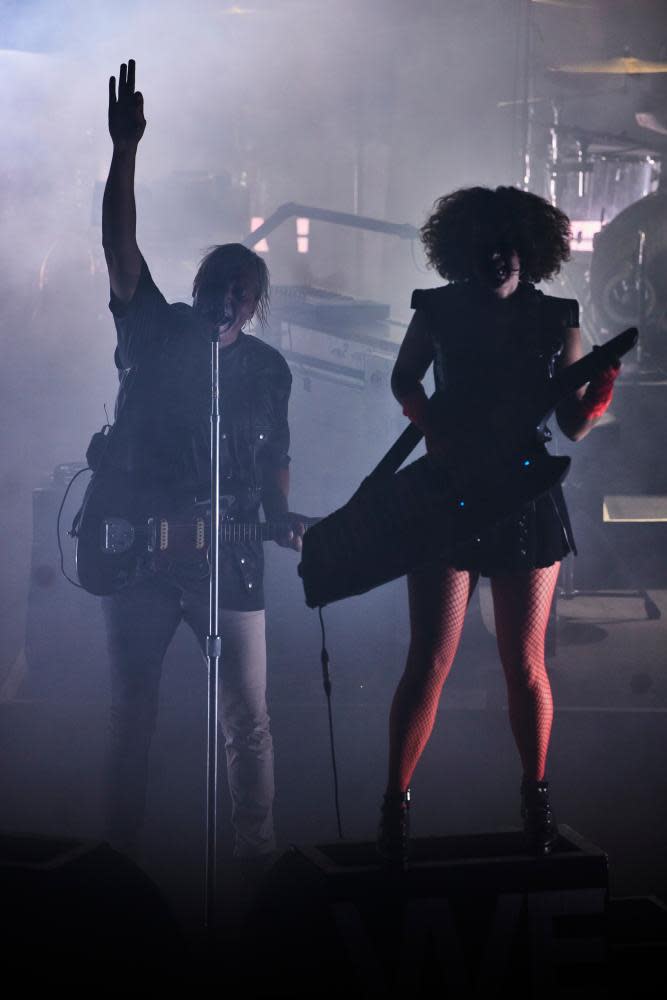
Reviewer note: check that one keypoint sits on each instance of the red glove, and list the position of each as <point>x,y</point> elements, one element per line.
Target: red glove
<point>598,395</point>
<point>416,409</point>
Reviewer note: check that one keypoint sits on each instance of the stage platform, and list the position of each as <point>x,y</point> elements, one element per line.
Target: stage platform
<point>470,917</point>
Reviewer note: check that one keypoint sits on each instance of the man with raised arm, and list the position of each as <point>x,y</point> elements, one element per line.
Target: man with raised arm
<point>161,443</point>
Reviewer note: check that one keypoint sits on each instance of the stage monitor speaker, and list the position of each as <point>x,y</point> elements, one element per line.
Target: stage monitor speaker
<point>65,647</point>
<point>77,911</point>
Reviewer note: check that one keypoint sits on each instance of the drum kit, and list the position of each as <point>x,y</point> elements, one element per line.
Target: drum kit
<point>611,187</point>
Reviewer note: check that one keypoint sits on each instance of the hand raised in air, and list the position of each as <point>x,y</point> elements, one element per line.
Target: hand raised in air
<point>126,111</point>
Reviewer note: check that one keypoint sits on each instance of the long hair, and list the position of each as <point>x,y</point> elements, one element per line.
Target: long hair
<point>221,263</point>
<point>471,224</point>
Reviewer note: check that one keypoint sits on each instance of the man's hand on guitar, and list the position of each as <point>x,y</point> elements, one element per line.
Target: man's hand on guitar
<point>126,111</point>
<point>290,536</point>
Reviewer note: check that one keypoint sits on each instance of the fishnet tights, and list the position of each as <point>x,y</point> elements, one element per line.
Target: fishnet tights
<point>438,599</point>
<point>521,603</point>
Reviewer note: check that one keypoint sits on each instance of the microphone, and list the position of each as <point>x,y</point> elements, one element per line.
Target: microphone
<point>217,308</point>
<point>229,315</point>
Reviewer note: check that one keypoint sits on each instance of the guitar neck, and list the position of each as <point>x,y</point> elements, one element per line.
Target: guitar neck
<point>259,531</point>
<point>582,371</point>
<point>249,531</point>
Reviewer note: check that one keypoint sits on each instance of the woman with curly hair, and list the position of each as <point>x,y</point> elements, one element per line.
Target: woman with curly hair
<point>489,323</point>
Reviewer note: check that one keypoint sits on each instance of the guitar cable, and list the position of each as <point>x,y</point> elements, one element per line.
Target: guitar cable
<point>326,683</point>
<point>72,530</point>
<point>95,454</point>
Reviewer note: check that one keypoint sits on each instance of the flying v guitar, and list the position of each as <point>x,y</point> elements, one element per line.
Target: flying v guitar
<point>494,464</point>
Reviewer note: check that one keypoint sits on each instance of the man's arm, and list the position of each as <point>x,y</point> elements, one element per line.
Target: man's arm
<point>119,217</point>
<point>275,492</point>
<point>274,457</point>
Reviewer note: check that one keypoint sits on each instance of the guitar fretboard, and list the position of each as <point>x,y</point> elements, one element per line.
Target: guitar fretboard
<point>169,532</point>
<point>243,531</point>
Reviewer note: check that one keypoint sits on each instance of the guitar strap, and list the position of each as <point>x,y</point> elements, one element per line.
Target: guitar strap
<point>95,453</point>
<point>99,443</point>
<point>98,447</point>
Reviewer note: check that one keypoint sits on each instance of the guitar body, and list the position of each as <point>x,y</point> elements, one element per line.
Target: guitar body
<point>392,525</point>
<point>111,534</point>
<point>120,524</point>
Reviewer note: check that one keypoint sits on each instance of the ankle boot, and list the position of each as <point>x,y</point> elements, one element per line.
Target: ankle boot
<point>394,831</point>
<point>539,822</point>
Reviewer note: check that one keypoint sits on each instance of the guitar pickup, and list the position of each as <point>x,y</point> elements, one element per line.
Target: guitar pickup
<point>152,534</point>
<point>158,534</point>
<point>117,535</point>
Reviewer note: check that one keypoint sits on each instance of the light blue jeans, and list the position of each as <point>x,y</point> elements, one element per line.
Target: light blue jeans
<point>141,621</point>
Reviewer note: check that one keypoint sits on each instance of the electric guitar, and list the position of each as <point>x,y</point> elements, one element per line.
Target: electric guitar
<point>120,524</point>
<point>493,464</point>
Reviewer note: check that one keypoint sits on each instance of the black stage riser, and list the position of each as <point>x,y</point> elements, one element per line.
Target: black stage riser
<point>471,917</point>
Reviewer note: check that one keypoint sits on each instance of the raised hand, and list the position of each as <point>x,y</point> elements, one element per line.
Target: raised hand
<point>126,112</point>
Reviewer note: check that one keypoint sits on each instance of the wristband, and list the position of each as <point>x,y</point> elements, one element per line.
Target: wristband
<point>599,393</point>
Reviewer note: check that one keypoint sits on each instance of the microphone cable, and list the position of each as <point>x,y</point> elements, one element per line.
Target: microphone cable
<point>326,683</point>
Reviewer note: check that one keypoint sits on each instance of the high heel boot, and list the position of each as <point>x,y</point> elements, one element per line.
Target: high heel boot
<point>394,831</point>
<point>539,822</point>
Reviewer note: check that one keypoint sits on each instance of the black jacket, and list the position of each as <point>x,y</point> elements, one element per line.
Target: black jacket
<point>161,435</point>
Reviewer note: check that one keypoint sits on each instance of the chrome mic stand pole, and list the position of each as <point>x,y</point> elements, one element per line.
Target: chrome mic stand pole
<point>526,157</point>
<point>213,648</point>
<point>554,156</point>
<point>640,291</point>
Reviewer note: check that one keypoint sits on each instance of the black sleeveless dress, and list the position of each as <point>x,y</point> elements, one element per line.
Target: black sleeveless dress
<point>477,340</point>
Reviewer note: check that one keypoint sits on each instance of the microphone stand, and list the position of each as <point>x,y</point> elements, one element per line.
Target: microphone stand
<point>640,292</point>
<point>213,650</point>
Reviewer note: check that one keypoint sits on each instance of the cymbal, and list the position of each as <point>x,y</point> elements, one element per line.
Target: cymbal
<point>650,120</point>
<point>609,142</point>
<point>593,135</point>
<point>621,66</point>
<point>522,100</point>
<point>578,4</point>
